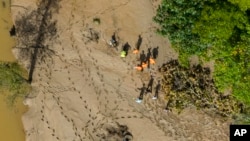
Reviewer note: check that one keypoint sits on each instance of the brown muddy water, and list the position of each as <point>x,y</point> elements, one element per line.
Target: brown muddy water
<point>6,42</point>
<point>11,128</point>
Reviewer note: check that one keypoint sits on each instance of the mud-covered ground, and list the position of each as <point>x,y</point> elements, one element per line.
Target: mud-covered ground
<point>83,89</point>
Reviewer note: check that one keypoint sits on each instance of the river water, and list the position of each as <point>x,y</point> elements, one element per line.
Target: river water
<point>5,26</point>
<point>11,128</point>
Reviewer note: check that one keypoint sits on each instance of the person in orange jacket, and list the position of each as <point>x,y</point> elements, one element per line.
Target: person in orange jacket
<point>135,51</point>
<point>142,92</point>
<point>151,61</point>
<point>144,65</point>
<point>139,67</point>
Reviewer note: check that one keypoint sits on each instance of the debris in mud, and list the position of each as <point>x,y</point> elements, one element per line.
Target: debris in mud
<point>91,35</point>
<point>194,85</point>
<point>118,132</point>
<point>97,21</point>
<point>13,31</point>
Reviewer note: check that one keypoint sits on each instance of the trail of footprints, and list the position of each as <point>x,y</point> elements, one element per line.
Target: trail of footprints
<point>84,132</point>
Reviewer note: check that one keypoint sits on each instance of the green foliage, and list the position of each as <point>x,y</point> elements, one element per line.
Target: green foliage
<point>243,4</point>
<point>219,23</point>
<point>214,30</point>
<point>12,80</point>
<point>177,18</point>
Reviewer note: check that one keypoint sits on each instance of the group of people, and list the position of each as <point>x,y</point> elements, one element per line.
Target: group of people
<point>145,61</point>
<point>144,90</point>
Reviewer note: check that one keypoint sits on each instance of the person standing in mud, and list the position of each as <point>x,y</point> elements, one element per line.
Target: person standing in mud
<point>139,41</point>
<point>148,57</point>
<point>142,57</point>
<point>138,45</point>
<point>157,89</point>
<point>155,52</point>
<point>150,84</point>
<point>125,50</point>
<point>113,41</point>
<point>166,109</point>
<point>142,92</point>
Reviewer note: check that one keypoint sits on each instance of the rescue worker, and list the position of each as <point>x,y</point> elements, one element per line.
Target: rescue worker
<point>139,41</point>
<point>142,92</point>
<point>125,50</point>
<point>138,45</point>
<point>155,52</point>
<point>142,57</point>
<point>150,84</point>
<point>151,61</point>
<point>157,88</point>
<point>139,67</point>
<point>144,65</point>
<point>123,54</point>
<point>135,51</point>
<point>113,42</point>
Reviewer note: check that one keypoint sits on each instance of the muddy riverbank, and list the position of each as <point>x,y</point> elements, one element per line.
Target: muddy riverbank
<point>84,90</point>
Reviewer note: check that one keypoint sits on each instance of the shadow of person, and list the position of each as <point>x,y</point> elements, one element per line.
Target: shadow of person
<point>155,52</point>
<point>138,43</point>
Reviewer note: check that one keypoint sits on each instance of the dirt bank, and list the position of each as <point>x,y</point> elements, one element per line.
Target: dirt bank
<point>83,88</point>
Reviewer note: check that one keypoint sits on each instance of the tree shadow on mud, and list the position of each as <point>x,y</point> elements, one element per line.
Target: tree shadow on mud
<point>33,30</point>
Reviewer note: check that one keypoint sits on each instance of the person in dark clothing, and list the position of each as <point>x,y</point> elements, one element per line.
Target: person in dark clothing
<point>142,57</point>
<point>142,92</point>
<point>150,84</point>
<point>167,105</point>
<point>139,41</point>
<point>148,57</point>
<point>157,88</point>
<point>125,50</point>
<point>155,52</point>
<point>149,53</point>
<point>113,40</point>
